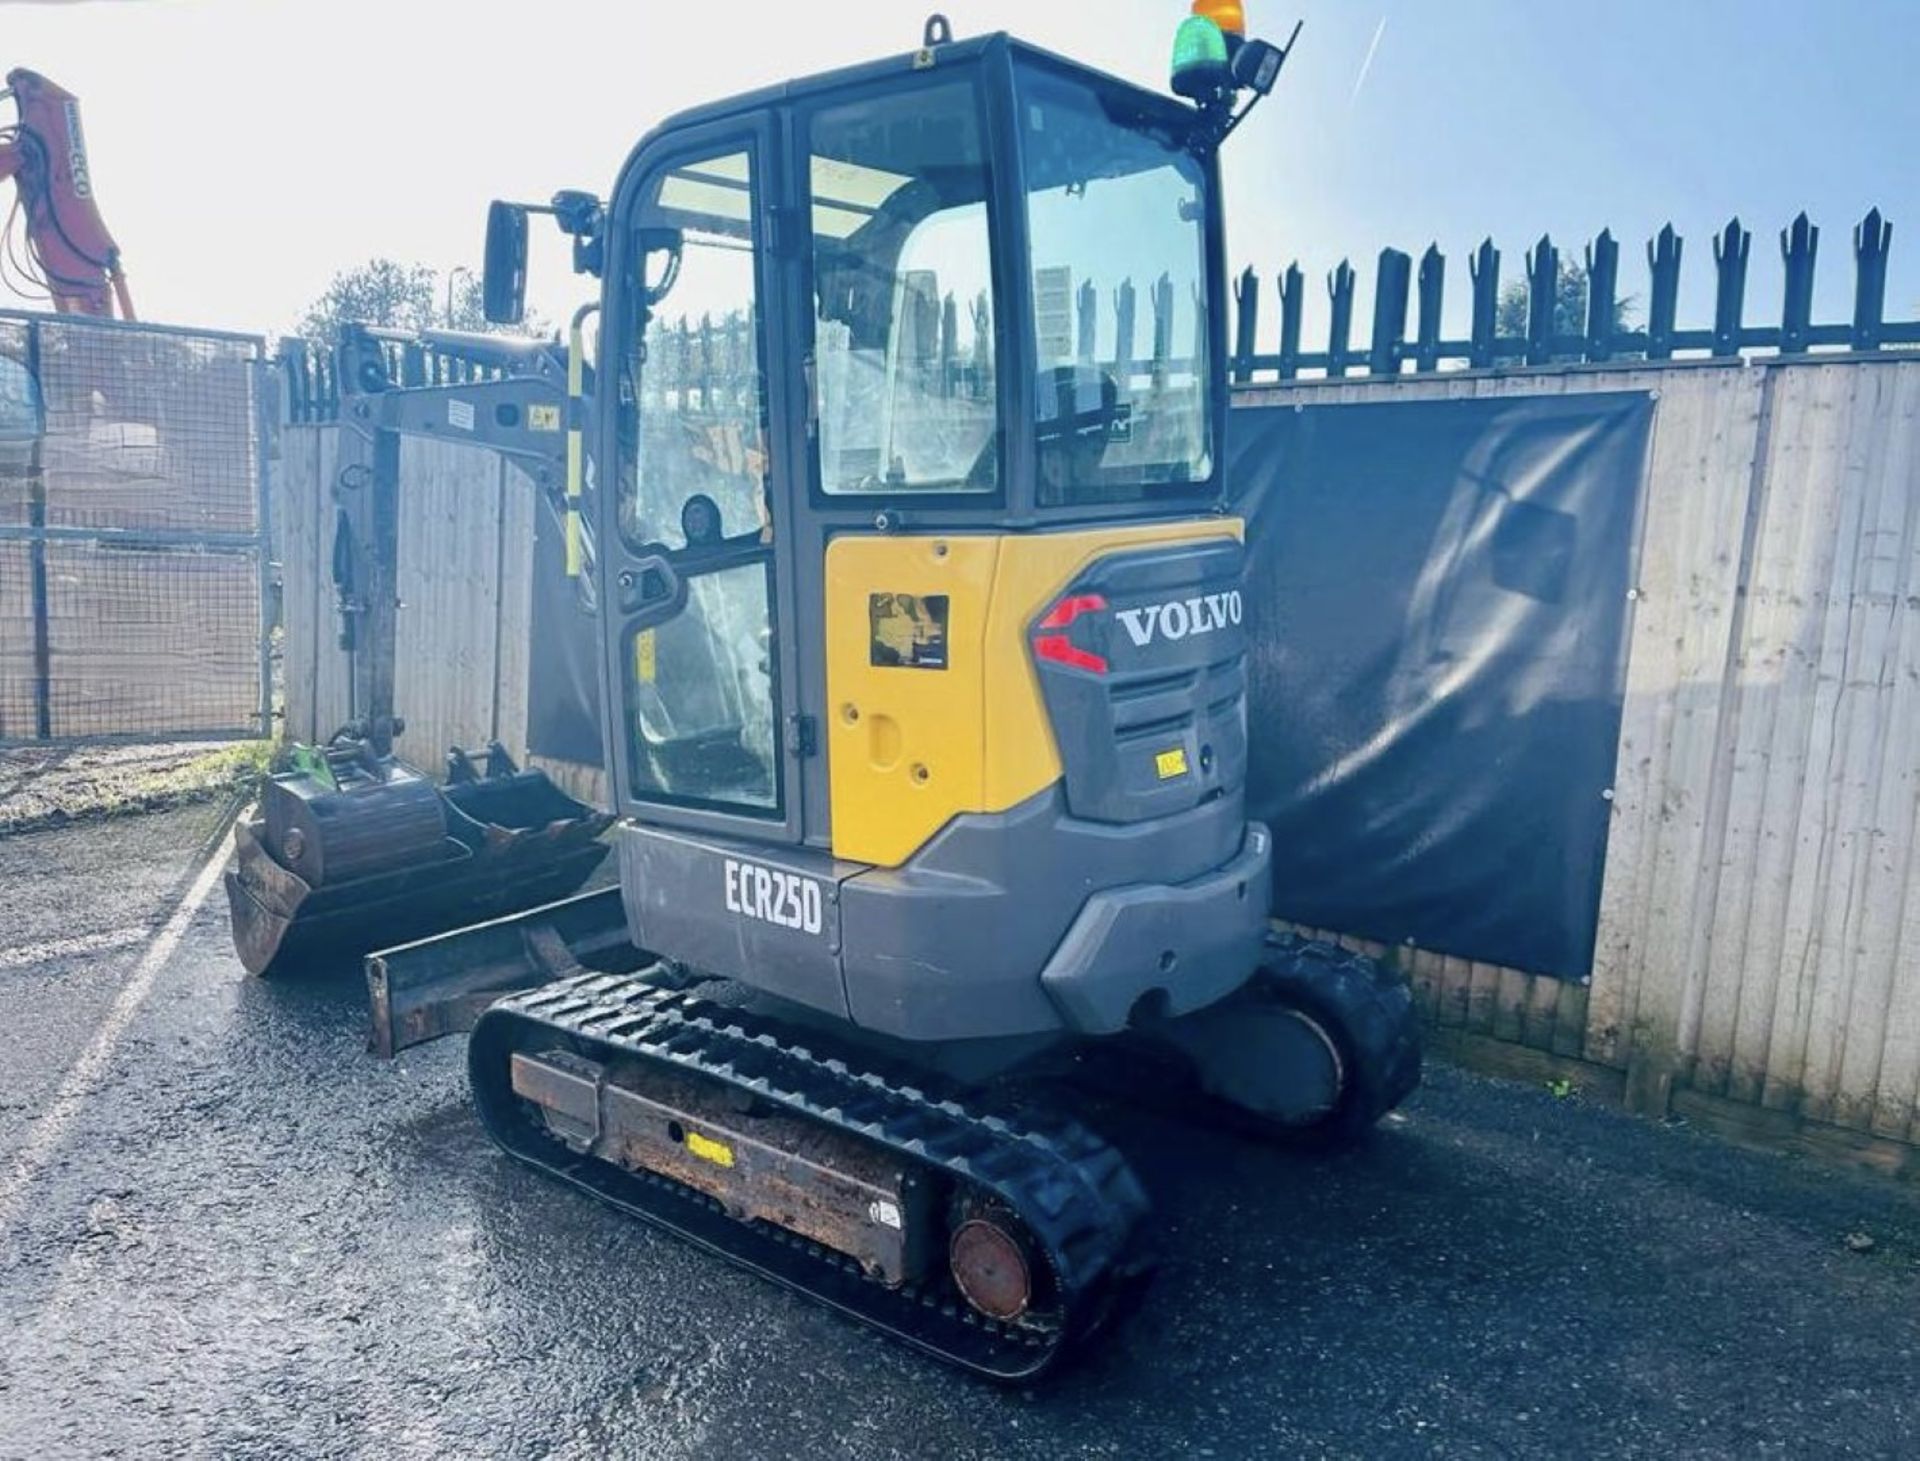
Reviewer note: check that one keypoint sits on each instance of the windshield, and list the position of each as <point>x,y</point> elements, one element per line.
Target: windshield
<point>1118,221</point>
<point>903,332</point>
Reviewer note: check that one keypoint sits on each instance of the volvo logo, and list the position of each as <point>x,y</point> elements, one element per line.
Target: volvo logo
<point>1182,617</point>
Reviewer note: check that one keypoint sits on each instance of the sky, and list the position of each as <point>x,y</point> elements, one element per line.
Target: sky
<point>243,151</point>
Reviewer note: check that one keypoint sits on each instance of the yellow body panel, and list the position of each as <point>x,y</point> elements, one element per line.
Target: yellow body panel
<point>909,748</point>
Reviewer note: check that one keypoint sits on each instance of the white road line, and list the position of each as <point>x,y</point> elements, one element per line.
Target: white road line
<point>50,1128</point>
<point>28,955</point>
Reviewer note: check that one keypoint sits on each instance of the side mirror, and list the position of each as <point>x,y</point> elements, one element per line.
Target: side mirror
<point>505,286</point>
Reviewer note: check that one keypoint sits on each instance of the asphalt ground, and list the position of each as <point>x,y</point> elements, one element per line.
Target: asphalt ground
<point>225,1230</point>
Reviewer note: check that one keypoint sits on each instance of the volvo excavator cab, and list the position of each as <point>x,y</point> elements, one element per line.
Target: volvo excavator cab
<point>923,638</point>
<point>922,607</point>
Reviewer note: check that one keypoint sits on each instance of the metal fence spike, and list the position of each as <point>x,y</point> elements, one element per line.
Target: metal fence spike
<point>1124,301</point>
<point>1871,242</point>
<point>1730,249</point>
<point>1603,291</point>
<point>1543,295</point>
<point>1293,298</point>
<point>1433,288</point>
<point>1799,246</point>
<point>1393,282</point>
<point>1246,323</point>
<point>1340,289</point>
<point>1484,269</point>
<point>1663,261</point>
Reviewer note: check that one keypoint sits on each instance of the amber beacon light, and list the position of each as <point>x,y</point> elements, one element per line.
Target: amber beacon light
<point>1229,15</point>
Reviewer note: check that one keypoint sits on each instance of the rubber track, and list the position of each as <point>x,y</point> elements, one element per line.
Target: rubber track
<point>1075,1192</point>
<point>1379,1017</point>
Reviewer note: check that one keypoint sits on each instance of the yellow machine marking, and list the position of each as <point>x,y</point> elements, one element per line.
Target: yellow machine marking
<point>576,447</point>
<point>907,751</point>
<point>1171,763</point>
<point>706,1148</point>
<point>645,656</point>
<point>543,418</point>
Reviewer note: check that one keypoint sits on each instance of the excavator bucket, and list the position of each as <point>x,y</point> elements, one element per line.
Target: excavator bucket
<point>348,853</point>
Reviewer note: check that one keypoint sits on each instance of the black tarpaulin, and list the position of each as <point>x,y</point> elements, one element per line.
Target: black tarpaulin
<point>1439,610</point>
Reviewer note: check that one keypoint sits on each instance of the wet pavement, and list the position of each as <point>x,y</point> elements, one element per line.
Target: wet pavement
<point>253,1239</point>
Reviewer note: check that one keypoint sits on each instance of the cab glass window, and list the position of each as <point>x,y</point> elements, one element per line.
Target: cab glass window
<point>701,688</point>
<point>1117,212</point>
<point>695,448</point>
<point>902,369</point>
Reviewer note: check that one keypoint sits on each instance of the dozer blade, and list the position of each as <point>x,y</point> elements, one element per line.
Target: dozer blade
<point>324,871</point>
<point>441,986</point>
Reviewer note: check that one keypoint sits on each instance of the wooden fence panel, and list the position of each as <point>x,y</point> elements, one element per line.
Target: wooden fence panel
<point>448,631</point>
<point>314,669</point>
<point>465,585</point>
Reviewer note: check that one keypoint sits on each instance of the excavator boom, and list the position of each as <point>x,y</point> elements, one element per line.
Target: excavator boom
<point>69,256</point>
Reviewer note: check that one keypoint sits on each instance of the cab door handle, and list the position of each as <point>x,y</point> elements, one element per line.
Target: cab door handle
<point>650,591</point>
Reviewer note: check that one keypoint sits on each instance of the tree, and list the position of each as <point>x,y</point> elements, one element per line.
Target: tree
<point>1569,304</point>
<point>401,296</point>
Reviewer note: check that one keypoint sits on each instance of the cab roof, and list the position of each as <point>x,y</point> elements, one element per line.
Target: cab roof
<point>951,54</point>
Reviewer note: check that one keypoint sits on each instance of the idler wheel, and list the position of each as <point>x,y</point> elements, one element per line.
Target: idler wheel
<point>989,1264</point>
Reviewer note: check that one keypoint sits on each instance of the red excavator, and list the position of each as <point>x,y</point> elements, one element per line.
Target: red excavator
<point>68,255</point>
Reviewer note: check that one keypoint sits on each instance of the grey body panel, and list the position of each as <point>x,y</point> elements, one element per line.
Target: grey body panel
<point>765,914</point>
<point>1186,945</point>
<point>950,945</point>
<point>1172,638</point>
<point>953,945</point>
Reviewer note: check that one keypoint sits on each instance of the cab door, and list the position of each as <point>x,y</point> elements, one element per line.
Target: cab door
<point>700,663</point>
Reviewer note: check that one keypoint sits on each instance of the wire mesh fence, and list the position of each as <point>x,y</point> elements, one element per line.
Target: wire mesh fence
<point>132,531</point>
<point>20,417</point>
<point>19,698</point>
<point>148,431</point>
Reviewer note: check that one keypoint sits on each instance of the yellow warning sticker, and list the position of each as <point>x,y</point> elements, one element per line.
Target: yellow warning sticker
<point>644,666</point>
<point>717,1152</point>
<point>543,418</point>
<point>1171,763</point>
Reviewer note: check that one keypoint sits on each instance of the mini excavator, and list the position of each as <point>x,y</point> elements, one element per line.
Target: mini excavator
<point>925,665</point>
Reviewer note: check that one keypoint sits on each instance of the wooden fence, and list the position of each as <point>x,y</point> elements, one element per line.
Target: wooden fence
<point>465,574</point>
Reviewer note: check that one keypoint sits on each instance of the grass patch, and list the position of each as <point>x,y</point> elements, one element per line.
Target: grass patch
<point>225,768</point>
<point>88,783</point>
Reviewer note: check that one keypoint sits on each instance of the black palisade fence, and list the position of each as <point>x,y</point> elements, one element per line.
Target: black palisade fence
<point>713,361</point>
<point>313,391</point>
<point>1603,338</point>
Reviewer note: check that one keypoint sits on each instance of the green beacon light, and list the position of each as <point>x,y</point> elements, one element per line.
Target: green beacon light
<point>1200,66</point>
